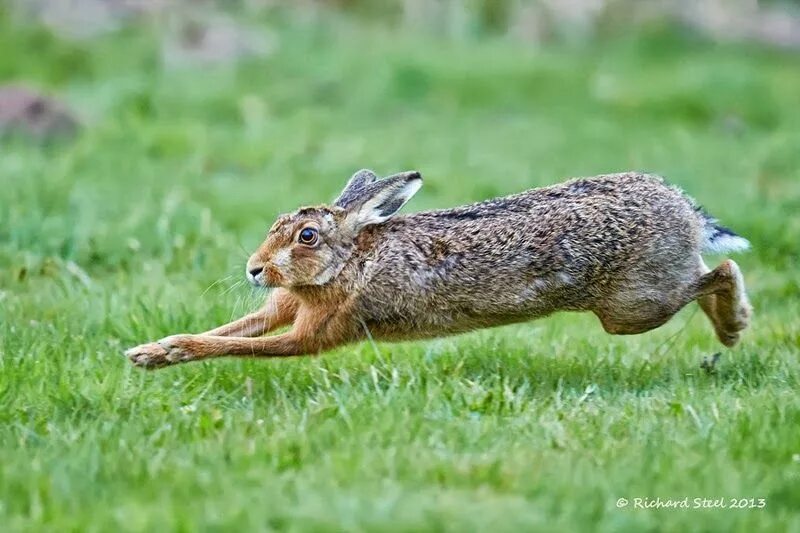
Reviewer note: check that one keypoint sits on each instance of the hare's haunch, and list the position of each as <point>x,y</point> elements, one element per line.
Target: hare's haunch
<point>626,247</point>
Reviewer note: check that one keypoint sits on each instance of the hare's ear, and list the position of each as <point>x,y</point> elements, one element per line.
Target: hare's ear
<point>351,191</point>
<point>380,200</point>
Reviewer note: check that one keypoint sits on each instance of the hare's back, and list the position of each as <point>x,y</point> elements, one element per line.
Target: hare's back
<point>524,255</point>
<point>586,223</point>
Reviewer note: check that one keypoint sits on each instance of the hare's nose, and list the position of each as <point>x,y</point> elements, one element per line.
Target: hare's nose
<point>256,271</point>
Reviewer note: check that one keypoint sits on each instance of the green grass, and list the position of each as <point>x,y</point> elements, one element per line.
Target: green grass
<point>140,228</point>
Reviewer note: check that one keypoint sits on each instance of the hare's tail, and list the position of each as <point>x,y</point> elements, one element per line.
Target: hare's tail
<point>718,239</point>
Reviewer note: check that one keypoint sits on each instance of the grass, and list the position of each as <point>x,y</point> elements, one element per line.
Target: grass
<point>140,228</point>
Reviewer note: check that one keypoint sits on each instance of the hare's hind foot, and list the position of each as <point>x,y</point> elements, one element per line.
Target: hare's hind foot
<point>720,293</point>
<point>725,302</point>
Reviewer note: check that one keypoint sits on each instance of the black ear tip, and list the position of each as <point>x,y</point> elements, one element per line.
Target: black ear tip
<point>413,175</point>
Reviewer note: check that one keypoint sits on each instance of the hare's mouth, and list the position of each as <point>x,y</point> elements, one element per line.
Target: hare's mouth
<point>257,276</point>
<point>268,277</point>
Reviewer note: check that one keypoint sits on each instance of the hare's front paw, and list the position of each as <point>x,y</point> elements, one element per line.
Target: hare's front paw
<point>167,351</point>
<point>150,355</point>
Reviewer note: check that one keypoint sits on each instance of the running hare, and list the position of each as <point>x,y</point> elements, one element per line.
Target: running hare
<point>623,246</point>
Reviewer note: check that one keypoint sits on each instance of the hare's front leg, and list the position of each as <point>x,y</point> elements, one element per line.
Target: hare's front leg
<point>279,310</point>
<point>310,334</point>
<point>185,348</point>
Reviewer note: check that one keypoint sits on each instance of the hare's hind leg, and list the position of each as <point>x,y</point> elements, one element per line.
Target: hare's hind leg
<point>641,316</point>
<point>723,298</point>
<point>647,297</point>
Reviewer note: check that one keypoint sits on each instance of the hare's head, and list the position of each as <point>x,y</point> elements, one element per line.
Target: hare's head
<point>312,245</point>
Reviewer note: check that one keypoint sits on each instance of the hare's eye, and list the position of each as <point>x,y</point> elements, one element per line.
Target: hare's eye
<point>308,236</point>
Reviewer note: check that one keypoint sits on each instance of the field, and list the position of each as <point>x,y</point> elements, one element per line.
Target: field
<point>140,228</point>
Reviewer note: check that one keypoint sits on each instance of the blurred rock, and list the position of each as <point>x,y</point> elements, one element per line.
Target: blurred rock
<point>537,21</point>
<point>529,25</point>
<point>221,40</point>
<point>27,112</point>
<point>80,19</point>
<point>580,14</point>
<point>745,20</point>
<point>217,40</point>
<point>776,27</point>
<point>721,20</point>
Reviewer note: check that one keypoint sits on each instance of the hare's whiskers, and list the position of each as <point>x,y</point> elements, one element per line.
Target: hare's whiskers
<point>220,280</point>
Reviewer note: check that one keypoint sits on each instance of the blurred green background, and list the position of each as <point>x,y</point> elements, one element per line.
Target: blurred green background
<point>148,146</point>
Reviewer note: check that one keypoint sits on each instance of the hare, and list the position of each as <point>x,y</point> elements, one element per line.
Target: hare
<point>624,246</point>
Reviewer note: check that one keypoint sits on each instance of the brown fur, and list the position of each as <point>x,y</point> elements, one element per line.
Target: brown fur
<point>624,246</point>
